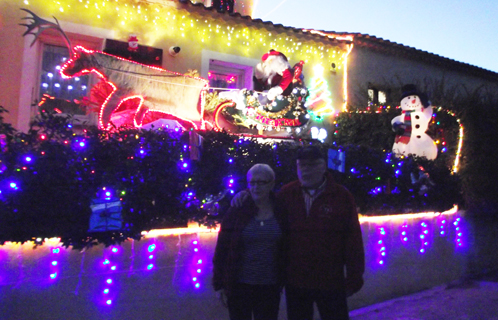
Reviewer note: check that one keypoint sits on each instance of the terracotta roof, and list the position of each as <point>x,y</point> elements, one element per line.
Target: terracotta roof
<point>374,43</point>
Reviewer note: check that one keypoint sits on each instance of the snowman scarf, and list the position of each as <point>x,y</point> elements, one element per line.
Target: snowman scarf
<point>405,137</point>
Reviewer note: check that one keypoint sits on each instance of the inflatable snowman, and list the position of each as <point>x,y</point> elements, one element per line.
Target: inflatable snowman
<point>411,125</point>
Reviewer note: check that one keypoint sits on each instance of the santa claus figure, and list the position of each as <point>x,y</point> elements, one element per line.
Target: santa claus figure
<point>132,43</point>
<point>274,74</point>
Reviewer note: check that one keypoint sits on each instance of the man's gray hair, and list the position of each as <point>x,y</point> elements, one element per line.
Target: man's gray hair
<point>264,168</point>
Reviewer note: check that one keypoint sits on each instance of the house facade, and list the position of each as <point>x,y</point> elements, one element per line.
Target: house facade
<point>220,44</point>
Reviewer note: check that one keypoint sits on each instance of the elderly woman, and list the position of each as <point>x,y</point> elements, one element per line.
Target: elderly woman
<point>249,256</point>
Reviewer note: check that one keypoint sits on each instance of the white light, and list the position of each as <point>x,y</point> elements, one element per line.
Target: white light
<point>69,87</point>
<point>45,85</point>
<point>77,79</point>
<point>50,74</point>
<point>58,68</point>
<point>57,85</point>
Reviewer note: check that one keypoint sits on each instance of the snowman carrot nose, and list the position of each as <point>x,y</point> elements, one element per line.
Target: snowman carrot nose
<point>413,101</point>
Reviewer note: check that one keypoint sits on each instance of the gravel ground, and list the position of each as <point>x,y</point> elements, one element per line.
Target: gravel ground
<point>475,299</point>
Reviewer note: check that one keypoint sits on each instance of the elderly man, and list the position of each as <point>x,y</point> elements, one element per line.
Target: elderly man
<point>326,259</point>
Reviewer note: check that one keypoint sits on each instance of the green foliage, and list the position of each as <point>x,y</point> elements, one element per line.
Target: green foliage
<point>161,186</point>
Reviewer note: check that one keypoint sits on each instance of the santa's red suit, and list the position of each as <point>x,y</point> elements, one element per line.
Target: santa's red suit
<point>274,73</point>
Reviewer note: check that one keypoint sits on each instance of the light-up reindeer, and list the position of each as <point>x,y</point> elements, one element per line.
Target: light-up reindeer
<point>129,85</point>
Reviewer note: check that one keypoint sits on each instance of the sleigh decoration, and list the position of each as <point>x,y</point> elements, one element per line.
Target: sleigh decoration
<point>248,114</point>
<point>130,93</point>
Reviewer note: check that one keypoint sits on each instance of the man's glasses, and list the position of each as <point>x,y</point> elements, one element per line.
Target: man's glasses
<point>258,182</point>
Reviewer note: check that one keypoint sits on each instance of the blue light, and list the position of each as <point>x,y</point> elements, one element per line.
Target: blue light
<point>115,250</point>
<point>53,275</point>
<point>199,270</point>
<point>69,125</point>
<point>195,242</point>
<point>200,260</point>
<point>54,263</point>
<point>113,268</point>
<point>106,291</point>
<point>13,185</point>
<point>56,250</point>
<point>185,164</point>
<point>197,285</point>
<point>150,266</point>
<point>82,144</point>
<point>28,159</point>
<point>109,302</point>
<point>152,247</point>
<point>109,281</point>
<point>231,180</point>
<point>142,151</point>
<point>230,160</point>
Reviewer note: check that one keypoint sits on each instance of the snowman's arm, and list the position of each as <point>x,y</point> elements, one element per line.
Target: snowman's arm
<point>428,112</point>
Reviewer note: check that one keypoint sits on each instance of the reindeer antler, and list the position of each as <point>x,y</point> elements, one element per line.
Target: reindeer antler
<point>42,25</point>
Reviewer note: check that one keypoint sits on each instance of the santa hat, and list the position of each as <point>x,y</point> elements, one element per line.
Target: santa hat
<point>132,37</point>
<point>273,53</point>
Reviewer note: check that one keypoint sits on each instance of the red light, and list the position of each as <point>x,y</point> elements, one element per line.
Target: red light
<point>43,136</point>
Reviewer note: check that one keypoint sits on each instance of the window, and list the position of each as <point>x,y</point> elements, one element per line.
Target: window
<point>56,93</point>
<point>228,75</point>
<point>378,97</point>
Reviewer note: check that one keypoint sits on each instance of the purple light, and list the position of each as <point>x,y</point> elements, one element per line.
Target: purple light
<point>196,250</point>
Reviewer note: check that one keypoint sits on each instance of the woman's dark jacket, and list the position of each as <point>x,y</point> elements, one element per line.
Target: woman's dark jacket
<point>228,252</point>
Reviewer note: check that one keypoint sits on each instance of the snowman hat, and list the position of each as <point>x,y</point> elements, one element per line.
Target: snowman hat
<point>411,90</point>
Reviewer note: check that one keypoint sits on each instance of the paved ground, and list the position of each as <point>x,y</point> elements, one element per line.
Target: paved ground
<point>474,299</point>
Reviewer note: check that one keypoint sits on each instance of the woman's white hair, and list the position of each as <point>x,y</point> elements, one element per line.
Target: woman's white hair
<point>264,168</point>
